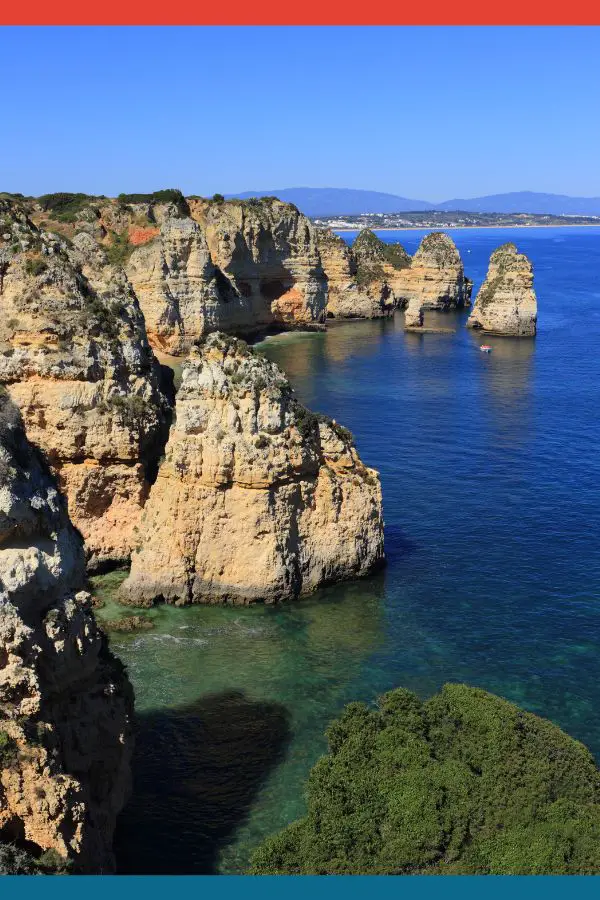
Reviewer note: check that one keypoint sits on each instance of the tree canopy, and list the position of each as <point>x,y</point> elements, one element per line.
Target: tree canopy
<point>463,783</point>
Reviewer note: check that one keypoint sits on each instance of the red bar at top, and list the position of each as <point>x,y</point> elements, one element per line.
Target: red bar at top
<point>300,12</point>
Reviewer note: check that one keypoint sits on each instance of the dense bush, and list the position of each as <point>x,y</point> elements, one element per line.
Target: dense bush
<point>16,861</point>
<point>65,207</point>
<point>35,266</point>
<point>169,195</point>
<point>463,783</point>
<point>119,249</point>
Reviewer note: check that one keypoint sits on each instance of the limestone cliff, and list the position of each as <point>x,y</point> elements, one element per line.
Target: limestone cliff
<point>380,269</point>
<point>345,298</point>
<point>506,302</point>
<point>435,278</point>
<point>75,358</point>
<point>257,498</point>
<point>201,265</point>
<point>267,253</point>
<point>65,702</point>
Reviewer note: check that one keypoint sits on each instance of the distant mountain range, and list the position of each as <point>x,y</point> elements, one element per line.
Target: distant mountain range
<point>349,202</point>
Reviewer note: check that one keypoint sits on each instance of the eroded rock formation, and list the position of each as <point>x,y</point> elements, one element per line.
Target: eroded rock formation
<point>435,278</point>
<point>346,296</point>
<point>233,266</point>
<point>267,252</point>
<point>65,702</point>
<point>506,302</point>
<point>75,358</point>
<point>257,498</point>
<point>373,278</point>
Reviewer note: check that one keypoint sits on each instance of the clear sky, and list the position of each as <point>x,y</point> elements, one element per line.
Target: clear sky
<point>428,113</point>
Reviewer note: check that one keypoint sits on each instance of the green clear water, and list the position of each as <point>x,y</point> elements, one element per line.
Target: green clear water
<point>223,744</point>
<point>491,483</point>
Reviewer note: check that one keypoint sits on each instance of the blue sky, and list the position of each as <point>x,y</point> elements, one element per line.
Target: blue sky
<point>429,113</point>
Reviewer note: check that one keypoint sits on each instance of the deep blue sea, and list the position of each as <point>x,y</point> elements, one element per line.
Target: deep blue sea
<point>490,466</point>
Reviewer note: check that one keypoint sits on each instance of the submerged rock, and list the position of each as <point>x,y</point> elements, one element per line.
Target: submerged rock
<point>129,624</point>
<point>65,702</point>
<point>506,302</point>
<point>257,498</point>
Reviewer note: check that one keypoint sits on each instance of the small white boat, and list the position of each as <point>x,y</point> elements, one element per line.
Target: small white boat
<point>485,348</point>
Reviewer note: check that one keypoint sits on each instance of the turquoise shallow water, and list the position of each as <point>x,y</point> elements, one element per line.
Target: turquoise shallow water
<point>491,482</point>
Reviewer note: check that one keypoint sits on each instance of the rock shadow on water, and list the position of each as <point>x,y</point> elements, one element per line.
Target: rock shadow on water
<point>197,771</point>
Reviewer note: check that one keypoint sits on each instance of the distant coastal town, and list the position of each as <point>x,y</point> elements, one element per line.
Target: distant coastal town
<point>444,219</point>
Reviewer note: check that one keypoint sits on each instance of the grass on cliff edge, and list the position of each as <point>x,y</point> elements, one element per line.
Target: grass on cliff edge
<point>464,783</point>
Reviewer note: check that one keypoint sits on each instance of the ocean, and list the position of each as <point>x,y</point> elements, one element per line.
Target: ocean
<point>490,467</point>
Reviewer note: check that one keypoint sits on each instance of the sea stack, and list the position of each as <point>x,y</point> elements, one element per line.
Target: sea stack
<point>65,703</point>
<point>257,497</point>
<point>346,299</point>
<point>379,269</point>
<point>435,278</point>
<point>506,302</point>
<point>75,358</point>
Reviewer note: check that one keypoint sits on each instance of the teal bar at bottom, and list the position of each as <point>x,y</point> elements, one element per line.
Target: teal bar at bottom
<point>332,887</point>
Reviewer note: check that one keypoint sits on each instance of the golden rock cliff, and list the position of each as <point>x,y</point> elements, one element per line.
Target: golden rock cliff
<point>65,702</point>
<point>75,359</point>
<point>435,278</point>
<point>257,498</point>
<point>267,253</point>
<point>506,302</point>
<point>345,298</point>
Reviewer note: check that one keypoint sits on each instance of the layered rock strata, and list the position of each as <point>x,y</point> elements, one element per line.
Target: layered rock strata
<point>65,702</point>
<point>345,298</point>
<point>234,266</point>
<point>506,302</point>
<point>373,278</point>
<point>75,358</point>
<point>267,252</point>
<point>257,498</point>
<point>435,278</point>
<point>380,269</point>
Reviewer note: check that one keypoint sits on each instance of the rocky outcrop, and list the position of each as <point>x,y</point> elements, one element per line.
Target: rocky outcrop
<point>65,702</point>
<point>179,288</point>
<point>506,302</point>
<point>380,269</point>
<point>413,314</point>
<point>345,299</point>
<point>257,498</point>
<point>75,359</point>
<point>200,265</point>
<point>373,278</point>
<point>435,278</point>
<point>233,266</point>
<point>267,250</point>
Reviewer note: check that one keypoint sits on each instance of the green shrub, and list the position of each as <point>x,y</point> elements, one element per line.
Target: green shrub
<point>463,783</point>
<point>35,266</point>
<point>170,195</point>
<point>8,750</point>
<point>218,198</point>
<point>14,861</point>
<point>132,408</point>
<point>120,249</point>
<point>66,207</point>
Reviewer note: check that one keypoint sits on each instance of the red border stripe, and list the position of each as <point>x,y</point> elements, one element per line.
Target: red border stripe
<point>302,12</point>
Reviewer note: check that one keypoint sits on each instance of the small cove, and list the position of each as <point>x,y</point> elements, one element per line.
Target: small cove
<point>491,482</point>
